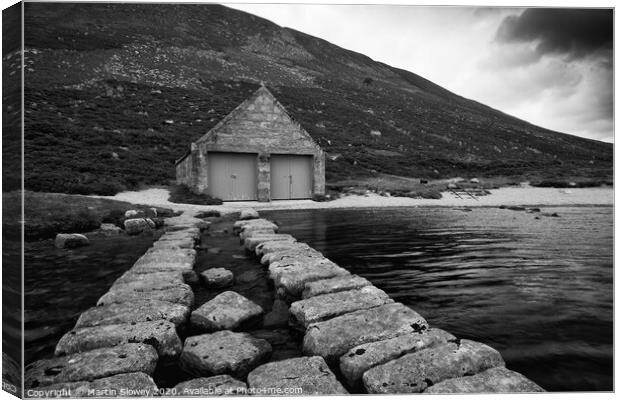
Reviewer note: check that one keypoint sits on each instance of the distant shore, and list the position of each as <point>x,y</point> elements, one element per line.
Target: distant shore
<point>522,196</point>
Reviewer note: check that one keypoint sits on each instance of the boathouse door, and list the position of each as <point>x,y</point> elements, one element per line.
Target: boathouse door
<point>291,177</point>
<point>232,176</point>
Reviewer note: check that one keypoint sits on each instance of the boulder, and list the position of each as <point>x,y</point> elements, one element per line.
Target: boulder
<point>248,213</point>
<point>223,352</point>
<point>304,251</point>
<point>326,306</point>
<point>255,231</point>
<point>219,385</point>
<point>130,214</point>
<point>134,384</point>
<point>172,243</point>
<point>333,285</point>
<point>253,241</point>
<point>332,338</point>
<point>241,225</point>
<point>178,293</point>
<point>146,266</point>
<point>70,240</point>
<point>414,372</point>
<point>109,230</point>
<point>136,226</point>
<point>226,311</point>
<point>493,380</point>
<point>217,277</point>
<point>138,311</point>
<point>151,223</point>
<point>361,358</point>
<point>270,247</point>
<point>160,334</point>
<point>291,277</point>
<point>309,374</point>
<point>90,365</point>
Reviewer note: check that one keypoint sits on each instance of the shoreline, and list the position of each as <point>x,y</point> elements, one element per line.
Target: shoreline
<point>521,196</point>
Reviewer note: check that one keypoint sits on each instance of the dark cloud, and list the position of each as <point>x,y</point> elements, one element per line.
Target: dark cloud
<point>576,33</point>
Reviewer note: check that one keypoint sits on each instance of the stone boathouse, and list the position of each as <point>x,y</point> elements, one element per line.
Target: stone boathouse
<point>257,152</point>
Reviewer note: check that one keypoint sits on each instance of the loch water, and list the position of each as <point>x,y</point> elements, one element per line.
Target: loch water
<point>537,288</point>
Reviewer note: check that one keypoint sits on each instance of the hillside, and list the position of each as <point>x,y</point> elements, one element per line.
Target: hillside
<point>115,93</point>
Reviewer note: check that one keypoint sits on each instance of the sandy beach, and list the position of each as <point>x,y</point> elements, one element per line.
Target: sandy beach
<point>524,196</point>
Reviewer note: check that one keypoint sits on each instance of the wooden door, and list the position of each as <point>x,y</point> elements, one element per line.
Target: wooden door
<point>291,177</point>
<point>232,176</point>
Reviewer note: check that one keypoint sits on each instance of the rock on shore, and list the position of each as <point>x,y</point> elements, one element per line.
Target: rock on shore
<point>70,240</point>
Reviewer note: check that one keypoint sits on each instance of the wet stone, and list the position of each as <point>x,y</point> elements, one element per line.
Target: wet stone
<point>90,365</point>
<point>248,213</point>
<point>311,374</point>
<point>138,311</point>
<point>494,380</point>
<point>135,384</point>
<point>227,311</point>
<point>167,276</point>
<point>361,358</point>
<point>333,285</point>
<point>414,372</point>
<point>326,306</point>
<point>223,352</point>
<point>179,293</point>
<point>219,385</point>
<point>332,338</point>
<point>273,246</point>
<point>256,231</point>
<point>251,242</point>
<point>148,267</point>
<point>291,252</point>
<point>291,277</point>
<point>217,277</point>
<point>241,225</point>
<point>160,334</point>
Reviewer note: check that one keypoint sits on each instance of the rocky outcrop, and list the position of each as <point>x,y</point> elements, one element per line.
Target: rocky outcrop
<point>361,358</point>
<point>219,385</point>
<point>494,380</point>
<point>217,277</point>
<point>226,311</point>
<point>91,365</point>
<point>223,352</point>
<point>135,384</point>
<point>310,374</point>
<point>333,285</point>
<point>138,311</point>
<point>326,306</point>
<point>332,338</point>
<point>413,373</point>
<point>70,240</point>
<point>160,334</point>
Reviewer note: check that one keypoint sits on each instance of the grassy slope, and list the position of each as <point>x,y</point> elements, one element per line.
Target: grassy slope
<point>104,79</point>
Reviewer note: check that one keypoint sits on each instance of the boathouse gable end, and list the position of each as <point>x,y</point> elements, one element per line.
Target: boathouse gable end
<point>257,152</point>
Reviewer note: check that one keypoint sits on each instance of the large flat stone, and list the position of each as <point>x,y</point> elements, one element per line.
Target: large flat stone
<point>297,251</point>
<point>145,285</point>
<point>251,242</point>
<point>138,311</point>
<point>174,244</point>
<point>494,380</point>
<point>332,338</point>
<point>160,334</point>
<point>414,372</point>
<point>135,384</point>
<point>167,266</point>
<point>273,246</point>
<point>219,385</point>
<point>326,306</point>
<point>226,311</point>
<point>167,276</point>
<point>248,213</point>
<point>241,225</point>
<point>256,230</point>
<point>310,374</point>
<point>223,352</point>
<point>217,277</point>
<point>90,365</point>
<point>180,294</point>
<point>361,358</point>
<point>333,285</point>
<point>292,276</point>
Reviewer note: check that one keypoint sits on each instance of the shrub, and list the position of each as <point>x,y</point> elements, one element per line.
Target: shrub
<point>183,194</point>
<point>209,213</point>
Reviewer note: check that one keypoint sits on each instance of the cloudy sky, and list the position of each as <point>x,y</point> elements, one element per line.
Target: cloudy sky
<point>552,67</point>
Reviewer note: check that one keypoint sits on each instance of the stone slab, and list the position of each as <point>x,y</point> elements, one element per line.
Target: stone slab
<point>332,338</point>
<point>414,372</point>
<point>310,374</point>
<point>256,230</point>
<point>251,242</point>
<point>90,365</point>
<point>135,384</point>
<point>162,266</point>
<point>138,311</point>
<point>240,225</point>
<point>219,385</point>
<point>226,311</point>
<point>217,277</point>
<point>494,380</point>
<point>272,246</point>
<point>361,358</point>
<point>333,285</point>
<point>180,294</point>
<point>296,251</point>
<point>293,277</point>
<point>168,276</point>
<point>223,352</point>
<point>248,213</point>
<point>160,334</point>
<point>326,306</point>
